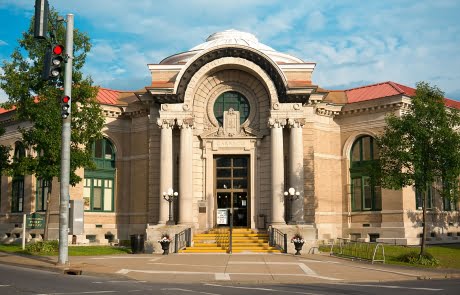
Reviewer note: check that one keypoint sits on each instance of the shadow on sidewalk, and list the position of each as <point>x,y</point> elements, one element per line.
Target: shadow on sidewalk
<point>25,258</point>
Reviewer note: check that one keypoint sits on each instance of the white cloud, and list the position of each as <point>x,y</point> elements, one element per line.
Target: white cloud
<point>316,21</point>
<point>3,43</point>
<point>401,40</point>
<point>3,96</point>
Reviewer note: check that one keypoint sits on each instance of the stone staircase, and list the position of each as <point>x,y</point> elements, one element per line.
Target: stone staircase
<point>244,240</point>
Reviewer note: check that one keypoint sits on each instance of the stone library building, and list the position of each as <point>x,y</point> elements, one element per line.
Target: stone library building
<point>233,131</point>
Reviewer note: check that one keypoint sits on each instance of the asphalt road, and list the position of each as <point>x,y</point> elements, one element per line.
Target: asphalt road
<point>16,280</point>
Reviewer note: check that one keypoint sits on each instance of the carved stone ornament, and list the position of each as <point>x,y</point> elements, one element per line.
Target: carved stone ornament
<point>276,123</point>
<point>165,123</point>
<point>185,123</point>
<point>296,123</point>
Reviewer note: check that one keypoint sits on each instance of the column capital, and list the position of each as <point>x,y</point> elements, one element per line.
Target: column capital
<point>276,123</point>
<point>165,123</point>
<point>185,123</point>
<point>296,123</point>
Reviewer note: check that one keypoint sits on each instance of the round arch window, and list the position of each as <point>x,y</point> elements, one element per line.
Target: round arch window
<point>228,100</point>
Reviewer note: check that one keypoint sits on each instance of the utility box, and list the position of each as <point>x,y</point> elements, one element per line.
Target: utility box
<point>76,214</point>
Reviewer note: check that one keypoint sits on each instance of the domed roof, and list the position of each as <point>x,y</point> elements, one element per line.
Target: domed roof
<point>231,37</point>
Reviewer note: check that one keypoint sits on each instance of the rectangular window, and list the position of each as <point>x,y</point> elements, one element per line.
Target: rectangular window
<point>367,193</point>
<point>108,195</point>
<point>42,194</point>
<point>449,204</point>
<point>366,148</point>
<point>365,196</point>
<point>98,194</point>
<point>356,194</point>
<point>419,198</point>
<point>17,196</point>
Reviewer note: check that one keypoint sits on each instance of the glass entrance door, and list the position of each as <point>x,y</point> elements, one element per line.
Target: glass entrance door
<point>231,190</point>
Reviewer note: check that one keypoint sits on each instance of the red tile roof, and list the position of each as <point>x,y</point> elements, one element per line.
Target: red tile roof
<point>107,96</point>
<point>379,90</point>
<point>385,89</point>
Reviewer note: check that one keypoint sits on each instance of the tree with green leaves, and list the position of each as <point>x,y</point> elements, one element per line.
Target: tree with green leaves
<point>421,148</point>
<point>38,102</point>
<point>4,154</point>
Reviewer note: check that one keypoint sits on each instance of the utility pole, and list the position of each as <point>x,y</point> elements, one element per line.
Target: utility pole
<point>52,70</point>
<point>65,149</point>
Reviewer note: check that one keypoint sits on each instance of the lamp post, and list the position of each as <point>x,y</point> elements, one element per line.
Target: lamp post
<point>170,196</point>
<point>291,195</point>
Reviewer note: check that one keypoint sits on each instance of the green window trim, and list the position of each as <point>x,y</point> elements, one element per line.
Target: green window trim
<point>365,195</point>
<point>430,190</point>
<point>41,198</point>
<point>99,192</point>
<point>17,194</point>
<point>98,195</point>
<point>231,99</point>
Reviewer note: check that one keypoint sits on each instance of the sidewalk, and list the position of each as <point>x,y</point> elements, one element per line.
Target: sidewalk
<point>247,268</point>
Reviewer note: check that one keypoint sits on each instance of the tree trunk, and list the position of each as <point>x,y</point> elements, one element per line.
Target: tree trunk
<point>422,244</point>
<point>47,214</point>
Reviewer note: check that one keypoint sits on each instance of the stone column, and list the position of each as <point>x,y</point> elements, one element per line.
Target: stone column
<point>185,171</point>
<point>166,167</point>
<point>296,169</point>
<point>277,180</point>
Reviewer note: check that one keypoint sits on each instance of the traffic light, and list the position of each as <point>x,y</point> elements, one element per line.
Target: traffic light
<point>41,19</point>
<point>54,61</point>
<point>65,106</point>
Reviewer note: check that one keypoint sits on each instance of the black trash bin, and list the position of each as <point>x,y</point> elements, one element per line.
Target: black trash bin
<point>137,244</point>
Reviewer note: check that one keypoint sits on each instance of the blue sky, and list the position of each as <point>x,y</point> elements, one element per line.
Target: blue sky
<point>354,43</point>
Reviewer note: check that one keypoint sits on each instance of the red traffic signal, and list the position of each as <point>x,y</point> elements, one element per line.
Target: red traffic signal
<point>65,106</point>
<point>54,61</point>
<point>58,49</point>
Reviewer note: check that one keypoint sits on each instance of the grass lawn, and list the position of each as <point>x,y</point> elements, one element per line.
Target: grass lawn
<point>73,250</point>
<point>448,255</point>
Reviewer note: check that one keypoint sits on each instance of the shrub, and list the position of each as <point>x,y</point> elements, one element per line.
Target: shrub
<point>46,247</point>
<point>414,258</point>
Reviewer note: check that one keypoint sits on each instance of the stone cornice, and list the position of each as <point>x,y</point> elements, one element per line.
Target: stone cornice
<point>327,109</point>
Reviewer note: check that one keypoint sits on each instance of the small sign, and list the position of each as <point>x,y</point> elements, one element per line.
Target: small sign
<point>222,216</point>
<point>35,221</point>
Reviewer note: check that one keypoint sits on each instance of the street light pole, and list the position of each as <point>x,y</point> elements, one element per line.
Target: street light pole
<point>170,196</point>
<point>291,194</point>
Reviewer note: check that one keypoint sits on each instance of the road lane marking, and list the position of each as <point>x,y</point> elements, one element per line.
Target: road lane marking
<point>391,287</point>
<point>122,257</point>
<point>126,271</point>
<point>187,290</point>
<point>5,285</point>
<point>179,264</point>
<point>222,277</point>
<point>103,282</point>
<point>263,289</point>
<point>70,293</point>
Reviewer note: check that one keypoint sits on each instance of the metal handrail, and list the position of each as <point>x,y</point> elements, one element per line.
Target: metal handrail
<point>277,238</point>
<point>182,239</point>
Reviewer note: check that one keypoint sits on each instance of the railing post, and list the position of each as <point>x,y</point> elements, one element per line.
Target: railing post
<point>285,243</point>
<point>176,243</point>
<point>188,237</point>
<point>270,237</point>
<point>230,234</point>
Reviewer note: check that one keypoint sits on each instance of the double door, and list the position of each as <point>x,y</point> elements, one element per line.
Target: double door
<point>231,190</point>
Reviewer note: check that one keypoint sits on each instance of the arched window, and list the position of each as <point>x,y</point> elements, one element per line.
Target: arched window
<point>365,194</point>
<point>17,191</point>
<point>234,100</point>
<point>98,192</point>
